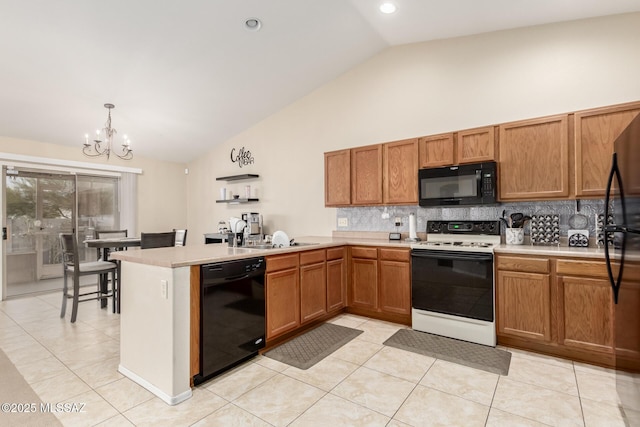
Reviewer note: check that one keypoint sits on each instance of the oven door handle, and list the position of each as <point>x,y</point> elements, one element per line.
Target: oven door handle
<point>454,255</point>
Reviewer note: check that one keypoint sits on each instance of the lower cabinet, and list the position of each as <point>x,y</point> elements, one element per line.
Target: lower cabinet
<point>585,318</point>
<point>336,279</point>
<point>303,287</point>
<point>313,285</point>
<point>554,305</point>
<point>282,294</point>
<point>364,278</point>
<point>523,298</point>
<point>381,283</point>
<point>585,306</point>
<point>395,281</point>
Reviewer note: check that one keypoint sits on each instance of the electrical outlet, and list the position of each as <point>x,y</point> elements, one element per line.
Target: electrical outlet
<point>398,221</point>
<point>343,222</point>
<point>164,289</point>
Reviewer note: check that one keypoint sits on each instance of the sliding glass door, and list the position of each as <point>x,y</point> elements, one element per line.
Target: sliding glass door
<point>39,206</point>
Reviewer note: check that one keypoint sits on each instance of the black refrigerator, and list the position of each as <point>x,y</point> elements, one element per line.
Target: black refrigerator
<point>623,265</point>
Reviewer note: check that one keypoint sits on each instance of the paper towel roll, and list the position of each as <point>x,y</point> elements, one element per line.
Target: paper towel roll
<point>412,226</point>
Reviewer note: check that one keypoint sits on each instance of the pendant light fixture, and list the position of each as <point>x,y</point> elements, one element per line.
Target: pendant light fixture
<point>104,140</point>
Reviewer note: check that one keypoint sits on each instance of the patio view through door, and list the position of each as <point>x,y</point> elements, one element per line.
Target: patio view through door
<point>39,206</point>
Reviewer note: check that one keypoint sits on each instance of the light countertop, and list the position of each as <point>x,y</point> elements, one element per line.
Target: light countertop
<point>590,252</point>
<point>183,256</point>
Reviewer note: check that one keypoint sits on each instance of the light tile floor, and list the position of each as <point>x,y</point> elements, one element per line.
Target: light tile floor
<point>362,384</point>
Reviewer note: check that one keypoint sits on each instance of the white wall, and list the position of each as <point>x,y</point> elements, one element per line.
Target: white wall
<point>415,90</point>
<point>161,187</point>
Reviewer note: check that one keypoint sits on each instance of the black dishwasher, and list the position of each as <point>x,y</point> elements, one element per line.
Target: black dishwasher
<point>232,314</point>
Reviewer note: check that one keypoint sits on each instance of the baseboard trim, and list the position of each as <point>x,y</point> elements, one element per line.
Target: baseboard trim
<point>171,400</point>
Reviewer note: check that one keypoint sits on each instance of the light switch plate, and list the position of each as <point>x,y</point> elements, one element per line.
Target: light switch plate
<point>343,222</point>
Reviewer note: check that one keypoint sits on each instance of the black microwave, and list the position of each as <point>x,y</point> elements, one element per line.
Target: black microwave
<point>463,185</point>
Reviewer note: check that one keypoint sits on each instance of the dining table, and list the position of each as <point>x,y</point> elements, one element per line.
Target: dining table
<point>104,246</point>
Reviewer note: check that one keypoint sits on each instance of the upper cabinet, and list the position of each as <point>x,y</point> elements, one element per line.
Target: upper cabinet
<point>534,159</point>
<point>366,175</point>
<point>557,157</point>
<point>436,150</point>
<point>400,172</point>
<point>337,178</point>
<point>372,175</point>
<point>456,148</point>
<point>594,134</point>
<point>475,145</point>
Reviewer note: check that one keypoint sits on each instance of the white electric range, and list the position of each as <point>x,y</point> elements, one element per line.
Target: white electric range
<point>452,280</point>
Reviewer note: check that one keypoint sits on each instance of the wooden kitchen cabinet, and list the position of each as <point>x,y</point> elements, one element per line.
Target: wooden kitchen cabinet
<point>594,134</point>
<point>523,298</point>
<point>336,279</point>
<point>395,281</point>
<point>364,278</point>
<point>313,285</point>
<point>534,159</point>
<point>337,178</point>
<point>282,294</point>
<point>559,306</point>
<point>380,283</point>
<point>586,313</point>
<point>456,148</point>
<point>400,172</point>
<point>303,289</point>
<point>475,145</point>
<point>366,175</point>
<point>436,150</point>
<point>585,305</point>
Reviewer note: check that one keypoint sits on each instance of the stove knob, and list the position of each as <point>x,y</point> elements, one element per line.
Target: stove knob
<point>492,226</point>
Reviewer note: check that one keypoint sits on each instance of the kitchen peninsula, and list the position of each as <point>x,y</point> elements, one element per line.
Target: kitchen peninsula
<point>156,322</point>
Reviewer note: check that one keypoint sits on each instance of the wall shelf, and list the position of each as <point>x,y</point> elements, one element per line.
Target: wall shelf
<point>237,178</point>
<point>237,200</point>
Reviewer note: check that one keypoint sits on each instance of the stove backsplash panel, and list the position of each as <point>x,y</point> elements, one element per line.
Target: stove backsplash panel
<point>370,218</point>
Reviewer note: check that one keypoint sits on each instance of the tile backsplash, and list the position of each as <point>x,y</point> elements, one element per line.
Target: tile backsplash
<point>370,218</point>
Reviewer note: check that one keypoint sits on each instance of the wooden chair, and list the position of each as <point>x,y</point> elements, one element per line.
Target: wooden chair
<point>71,266</point>
<point>157,240</point>
<point>181,237</point>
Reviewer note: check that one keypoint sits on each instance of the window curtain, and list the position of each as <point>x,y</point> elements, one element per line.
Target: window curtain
<point>129,202</point>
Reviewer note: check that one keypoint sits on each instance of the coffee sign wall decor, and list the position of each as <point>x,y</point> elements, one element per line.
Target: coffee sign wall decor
<point>242,157</point>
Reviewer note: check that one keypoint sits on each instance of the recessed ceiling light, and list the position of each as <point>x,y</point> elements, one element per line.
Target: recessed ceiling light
<point>387,8</point>
<point>252,24</point>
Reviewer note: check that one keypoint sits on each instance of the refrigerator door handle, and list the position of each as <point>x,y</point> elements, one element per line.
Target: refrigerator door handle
<point>610,229</point>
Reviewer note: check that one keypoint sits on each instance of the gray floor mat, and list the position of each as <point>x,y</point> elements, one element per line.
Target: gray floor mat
<point>308,349</point>
<point>464,353</point>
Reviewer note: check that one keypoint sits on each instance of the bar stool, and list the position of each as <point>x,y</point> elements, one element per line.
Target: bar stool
<point>181,237</point>
<point>157,240</point>
<point>71,266</point>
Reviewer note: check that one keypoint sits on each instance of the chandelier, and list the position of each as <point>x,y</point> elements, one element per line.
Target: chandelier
<point>104,139</point>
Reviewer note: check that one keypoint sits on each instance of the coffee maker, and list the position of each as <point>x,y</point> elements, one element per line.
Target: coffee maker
<point>253,231</point>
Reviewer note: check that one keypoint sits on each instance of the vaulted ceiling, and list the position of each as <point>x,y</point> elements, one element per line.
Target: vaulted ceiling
<point>186,75</point>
